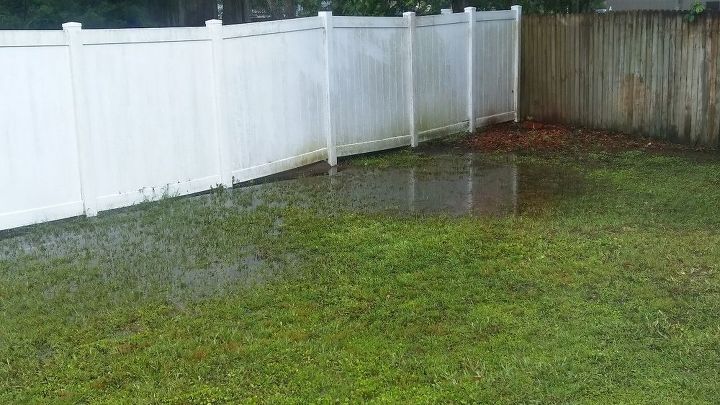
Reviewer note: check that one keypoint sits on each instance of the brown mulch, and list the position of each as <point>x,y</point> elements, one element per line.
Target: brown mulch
<point>536,136</point>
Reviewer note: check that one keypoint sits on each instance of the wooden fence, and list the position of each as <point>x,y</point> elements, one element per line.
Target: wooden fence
<point>646,73</point>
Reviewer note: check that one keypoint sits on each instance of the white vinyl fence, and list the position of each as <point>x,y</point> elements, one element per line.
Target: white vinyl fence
<point>92,120</point>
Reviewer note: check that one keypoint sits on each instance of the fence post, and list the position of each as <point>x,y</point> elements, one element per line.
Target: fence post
<point>470,11</point>
<point>85,152</point>
<point>446,11</point>
<point>410,74</point>
<point>518,53</point>
<point>221,135</point>
<point>326,17</point>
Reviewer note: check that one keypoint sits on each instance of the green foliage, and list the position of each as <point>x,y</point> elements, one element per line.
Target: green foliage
<point>697,9</point>
<point>396,8</point>
<point>50,14</point>
<point>424,7</point>
<point>387,8</point>
<point>540,6</point>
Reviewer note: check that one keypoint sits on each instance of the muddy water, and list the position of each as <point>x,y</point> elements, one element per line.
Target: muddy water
<point>453,191</point>
<point>448,184</point>
<point>136,250</point>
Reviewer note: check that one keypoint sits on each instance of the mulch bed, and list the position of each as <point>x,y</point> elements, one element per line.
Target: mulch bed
<point>536,136</point>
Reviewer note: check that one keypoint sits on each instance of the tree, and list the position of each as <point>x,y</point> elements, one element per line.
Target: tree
<point>50,14</point>
<point>236,11</point>
<point>46,14</point>
<point>397,7</point>
<point>532,6</point>
<point>182,13</point>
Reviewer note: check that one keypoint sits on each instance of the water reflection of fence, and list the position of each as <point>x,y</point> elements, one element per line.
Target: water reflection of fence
<point>98,119</point>
<point>469,189</point>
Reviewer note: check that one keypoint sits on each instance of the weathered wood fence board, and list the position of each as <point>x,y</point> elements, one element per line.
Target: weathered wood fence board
<point>648,73</point>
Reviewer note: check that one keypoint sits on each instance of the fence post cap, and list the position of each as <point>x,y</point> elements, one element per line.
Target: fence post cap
<point>71,26</point>
<point>212,23</point>
<point>516,7</point>
<point>470,9</point>
<point>324,13</point>
<point>409,14</point>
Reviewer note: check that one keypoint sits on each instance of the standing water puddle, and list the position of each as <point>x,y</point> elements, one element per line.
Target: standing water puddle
<point>449,184</point>
<point>149,249</point>
<point>454,191</point>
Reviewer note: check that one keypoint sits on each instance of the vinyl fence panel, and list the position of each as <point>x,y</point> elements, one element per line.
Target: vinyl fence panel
<point>441,83</point>
<point>494,61</point>
<point>275,103</point>
<point>149,107</point>
<point>369,79</point>
<point>38,149</point>
<point>93,120</point>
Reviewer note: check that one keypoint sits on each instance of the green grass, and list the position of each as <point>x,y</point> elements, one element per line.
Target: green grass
<point>610,294</point>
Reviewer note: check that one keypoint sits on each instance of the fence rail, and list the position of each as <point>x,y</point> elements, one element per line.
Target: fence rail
<point>648,73</point>
<point>92,120</point>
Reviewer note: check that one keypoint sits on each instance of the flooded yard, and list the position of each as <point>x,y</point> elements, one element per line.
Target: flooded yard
<point>442,182</point>
<point>438,274</point>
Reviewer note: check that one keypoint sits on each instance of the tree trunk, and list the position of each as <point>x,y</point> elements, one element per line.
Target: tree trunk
<point>290,9</point>
<point>184,13</point>
<point>236,11</point>
<point>458,6</point>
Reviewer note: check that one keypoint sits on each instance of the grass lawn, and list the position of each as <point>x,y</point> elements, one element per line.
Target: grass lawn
<point>603,289</point>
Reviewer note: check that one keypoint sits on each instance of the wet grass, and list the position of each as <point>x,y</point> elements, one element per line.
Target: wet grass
<point>402,158</point>
<point>279,294</point>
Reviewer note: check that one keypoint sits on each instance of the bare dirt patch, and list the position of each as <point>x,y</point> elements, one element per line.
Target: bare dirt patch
<point>536,136</point>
